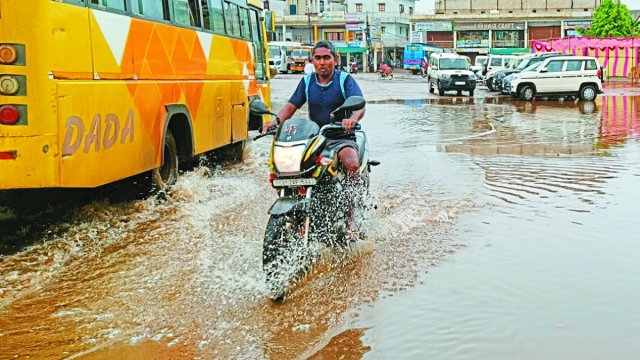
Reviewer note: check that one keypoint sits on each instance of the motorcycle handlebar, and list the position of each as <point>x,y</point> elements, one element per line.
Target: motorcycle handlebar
<point>324,129</point>
<point>338,127</point>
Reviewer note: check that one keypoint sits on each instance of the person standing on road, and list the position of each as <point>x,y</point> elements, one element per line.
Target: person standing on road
<point>308,67</point>
<point>325,94</point>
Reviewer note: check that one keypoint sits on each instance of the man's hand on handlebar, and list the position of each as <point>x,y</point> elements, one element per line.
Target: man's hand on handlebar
<point>349,124</point>
<point>268,126</point>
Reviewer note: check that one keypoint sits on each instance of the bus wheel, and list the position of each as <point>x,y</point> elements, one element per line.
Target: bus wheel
<point>233,152</point>
<point>167,174</point>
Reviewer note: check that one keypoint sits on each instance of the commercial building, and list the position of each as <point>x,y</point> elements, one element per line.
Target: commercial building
<point>371,31</point>
<point>474,27</point>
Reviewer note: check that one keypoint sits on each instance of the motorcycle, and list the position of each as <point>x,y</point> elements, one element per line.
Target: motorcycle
<point>423,70</point>
<point>312,205</point>
<point>353,69</point>
<point>385,73</point>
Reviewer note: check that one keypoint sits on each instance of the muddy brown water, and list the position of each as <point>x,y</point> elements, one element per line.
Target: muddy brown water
<point>504,230</point>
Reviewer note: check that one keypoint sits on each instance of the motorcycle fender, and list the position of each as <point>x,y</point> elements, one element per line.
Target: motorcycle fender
<point>287,204</point>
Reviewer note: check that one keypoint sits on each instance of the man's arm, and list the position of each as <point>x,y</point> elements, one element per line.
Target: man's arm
<point>352,89</point>
<point>287,112</point>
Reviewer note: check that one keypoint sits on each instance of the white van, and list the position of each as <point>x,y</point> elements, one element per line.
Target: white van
<point>279,54</point>
<point>449,71</point>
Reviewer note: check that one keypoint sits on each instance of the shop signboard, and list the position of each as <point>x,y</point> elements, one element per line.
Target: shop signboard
<point>490,26</point>
<point>472,43</point>
<point>416,37</point>
<point>434,26</point>
<point>353,18</point>
<point>354,27</point>
<point>572,24</point>
<point>332,16</point>
<point>375,28</point>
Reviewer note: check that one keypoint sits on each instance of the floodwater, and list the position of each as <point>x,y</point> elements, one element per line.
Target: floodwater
<point>503,230</point>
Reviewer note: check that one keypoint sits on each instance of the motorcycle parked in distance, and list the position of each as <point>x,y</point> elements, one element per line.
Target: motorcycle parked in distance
<point>312,203</point>
<point>353,68</point>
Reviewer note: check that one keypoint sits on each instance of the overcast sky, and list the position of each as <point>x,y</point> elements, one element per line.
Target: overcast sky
<point>426,6</point>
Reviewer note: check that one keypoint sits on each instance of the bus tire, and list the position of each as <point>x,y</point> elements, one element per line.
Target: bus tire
<point>166,175</point>
<point>234,152</point>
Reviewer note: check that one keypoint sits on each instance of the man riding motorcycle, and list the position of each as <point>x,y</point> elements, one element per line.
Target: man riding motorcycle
<point>324,92</point>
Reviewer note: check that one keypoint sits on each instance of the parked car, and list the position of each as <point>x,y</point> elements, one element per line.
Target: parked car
<point>450,72</point>
<point>579,76</point>
<point>522,64</point>
<point>496,63</point>
<point>479,62</point>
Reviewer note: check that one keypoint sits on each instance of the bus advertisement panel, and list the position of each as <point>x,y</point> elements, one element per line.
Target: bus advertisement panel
<point>99,91</point>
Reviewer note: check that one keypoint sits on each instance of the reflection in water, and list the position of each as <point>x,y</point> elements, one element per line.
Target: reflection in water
<point>619,120</point>
<point>346,345</point>
<point>563,130</point>
<point>419,102</point>
<point>517,180</point>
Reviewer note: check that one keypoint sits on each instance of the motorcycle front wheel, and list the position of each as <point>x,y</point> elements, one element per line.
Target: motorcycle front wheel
<point>284,253</point>
<point>423,74</point>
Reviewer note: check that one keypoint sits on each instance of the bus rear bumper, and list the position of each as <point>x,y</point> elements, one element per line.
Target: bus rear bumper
<point>28,162</point>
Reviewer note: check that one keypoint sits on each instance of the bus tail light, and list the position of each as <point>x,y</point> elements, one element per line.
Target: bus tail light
<point>9,114</point>
<point>8,54</point>
<point>7,155</point>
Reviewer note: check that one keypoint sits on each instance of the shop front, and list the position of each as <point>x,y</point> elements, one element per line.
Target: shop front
<point>350,51</point>
<point>475,38</point>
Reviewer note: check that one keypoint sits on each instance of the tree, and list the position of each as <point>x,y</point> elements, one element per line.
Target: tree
<point>611,19</point>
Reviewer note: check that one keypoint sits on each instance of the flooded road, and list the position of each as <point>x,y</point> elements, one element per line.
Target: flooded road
<point>504,230</point>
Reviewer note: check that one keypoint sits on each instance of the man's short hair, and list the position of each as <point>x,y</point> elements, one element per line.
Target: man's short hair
<point>324,44</point>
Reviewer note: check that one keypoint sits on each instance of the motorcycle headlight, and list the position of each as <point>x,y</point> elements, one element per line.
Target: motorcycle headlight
<point>287,159</point>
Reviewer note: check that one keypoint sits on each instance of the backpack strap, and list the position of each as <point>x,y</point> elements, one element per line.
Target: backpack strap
<point>307,80</point>
<point>343,78</point>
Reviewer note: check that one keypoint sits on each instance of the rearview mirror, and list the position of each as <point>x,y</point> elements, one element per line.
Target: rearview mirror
<point>258,107</point>
<point>543,70</point>
<point>352,103</point>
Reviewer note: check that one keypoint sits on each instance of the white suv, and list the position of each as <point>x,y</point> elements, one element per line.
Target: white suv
<point>560,76</point>
<point>450,72</point>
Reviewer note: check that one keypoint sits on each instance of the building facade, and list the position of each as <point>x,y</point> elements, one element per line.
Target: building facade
<point>474,27</point>
<point>371,31</point>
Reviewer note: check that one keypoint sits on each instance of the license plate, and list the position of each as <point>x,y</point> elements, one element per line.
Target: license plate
<point>459,82</point>
<point>294,182</point>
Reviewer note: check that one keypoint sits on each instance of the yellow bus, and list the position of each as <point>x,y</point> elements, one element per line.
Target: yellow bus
<point>93,91</point>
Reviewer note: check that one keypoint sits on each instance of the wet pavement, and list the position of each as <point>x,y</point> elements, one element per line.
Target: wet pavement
<point>504,229</point>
